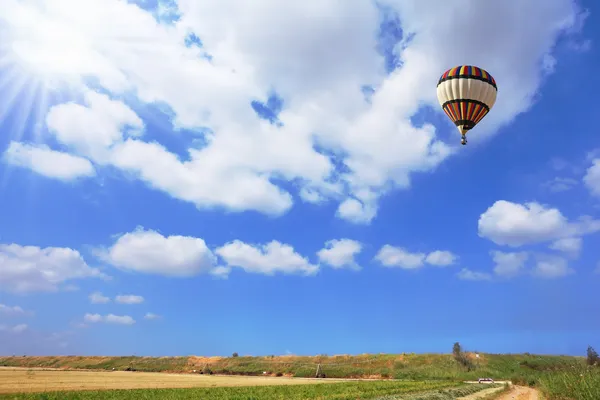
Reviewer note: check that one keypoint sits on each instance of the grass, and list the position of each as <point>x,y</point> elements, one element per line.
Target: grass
<point>521,368</point>
<point>337,391</point>
<point>579,384</point>
<point>559,377</point>
<point>440,394</point>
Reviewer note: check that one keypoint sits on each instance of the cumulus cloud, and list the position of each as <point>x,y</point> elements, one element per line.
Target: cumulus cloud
<point>390,256</point>
<point>147,251</point>
<point>14,329</point>
<point>129,299</point>
<point>571,246</point>
<point>508,265</point>
<point>340,253</point>
<point>469,275</point>
<point>98,298</point>
<point>12,311</point>
<point>152,316</point>
<point>441,258</point>
<point>329,140</point>
<point>552,267</point>
<point>50,163</point>
<point>592,178</point>
<point>34,269</point>
<point>513,224</point>
<point>267,259</point>
<point>93,128</point>
<point>109,319</point>
<point>561,184</point>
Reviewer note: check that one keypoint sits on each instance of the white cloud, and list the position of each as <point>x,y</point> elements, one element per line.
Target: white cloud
<point>12,311</point>
<point>109,319</point>
<point>356,211</point>
<point>311,196</point>
<point>91,129</point>
<point>571,246</point>
<point>319,77</point>
<point>390,256</point>
<point>469,275</point>
<point>148,251</point>
<point>592,178</point>
<point>35,269</point>
<point>14,329</point>
<point>93,318</point>
<point>151,316</point>
<point>508,265</point>
<point>552,267</point>
<point>340,253</point>
<point>98,298</point>
<point>221,272</point>
<point>50,163</point>
<point>129,299</point>
<point>561,184</point>
<point>513,224</point>
<point>267,259</point>
<point>441,258</point>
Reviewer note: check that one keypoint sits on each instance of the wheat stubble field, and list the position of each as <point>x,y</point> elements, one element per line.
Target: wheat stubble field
<point>43,380</point>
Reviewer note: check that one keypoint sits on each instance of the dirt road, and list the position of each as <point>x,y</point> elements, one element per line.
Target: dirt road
<point>515,393</point>
<point>520,393</point>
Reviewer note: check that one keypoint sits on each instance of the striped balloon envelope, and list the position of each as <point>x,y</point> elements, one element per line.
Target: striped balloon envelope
<point>466,94</point>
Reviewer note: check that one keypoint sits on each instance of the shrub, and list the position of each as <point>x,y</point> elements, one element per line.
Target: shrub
<point>592,356</point>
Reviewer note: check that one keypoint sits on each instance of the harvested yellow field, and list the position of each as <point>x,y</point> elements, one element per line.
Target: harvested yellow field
<point>14,380</point>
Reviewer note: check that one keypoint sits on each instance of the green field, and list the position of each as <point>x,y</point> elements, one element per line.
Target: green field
<point>521,368</point>
<point>558,377</point>
<point>340,391</point>
<point>578,385</point>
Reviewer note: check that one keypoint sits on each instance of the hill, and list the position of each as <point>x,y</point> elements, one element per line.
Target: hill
<point>520,368</point>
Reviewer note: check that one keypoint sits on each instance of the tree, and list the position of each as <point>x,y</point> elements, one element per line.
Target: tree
<point>461,357</point>
<point>456,349</point>
<point>235,355</point>
<point>592,356</point>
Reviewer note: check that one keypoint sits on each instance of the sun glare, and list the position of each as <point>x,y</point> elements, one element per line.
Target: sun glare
<point>51,53</point>
<point>38,57</point>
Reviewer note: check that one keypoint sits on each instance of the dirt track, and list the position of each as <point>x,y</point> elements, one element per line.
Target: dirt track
<point>520,393</point>
<point>515,393</point>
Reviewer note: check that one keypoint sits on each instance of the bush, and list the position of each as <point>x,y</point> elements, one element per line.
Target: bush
<point>461,357</point>
<point>592,356</point>
<point>234,355</point>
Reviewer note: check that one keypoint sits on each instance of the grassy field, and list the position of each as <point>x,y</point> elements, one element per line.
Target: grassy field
<point>521,368</point>
<point>558,377</point>
<point>340,391</point>
<point>583,384</point>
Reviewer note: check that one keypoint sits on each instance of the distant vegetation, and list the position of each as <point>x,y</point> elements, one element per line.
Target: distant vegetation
<point>559,377</point>
<point>521,368</point>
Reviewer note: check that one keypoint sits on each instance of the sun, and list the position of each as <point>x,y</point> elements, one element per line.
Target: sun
<point>50,51</point>
<point>40,58</point>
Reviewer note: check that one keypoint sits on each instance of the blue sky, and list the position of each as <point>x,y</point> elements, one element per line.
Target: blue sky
<point>248,194</point>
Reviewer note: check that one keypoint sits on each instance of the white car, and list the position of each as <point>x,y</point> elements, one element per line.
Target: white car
<point>483,380</point>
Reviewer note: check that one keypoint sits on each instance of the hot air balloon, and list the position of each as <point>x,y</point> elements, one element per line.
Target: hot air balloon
<point>466,94</point>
